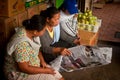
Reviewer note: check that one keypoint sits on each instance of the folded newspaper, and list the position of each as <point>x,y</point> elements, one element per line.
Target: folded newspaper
<point>83,57</point>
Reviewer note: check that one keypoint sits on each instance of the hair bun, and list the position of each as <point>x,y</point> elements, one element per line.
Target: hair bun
<point>26,22</point>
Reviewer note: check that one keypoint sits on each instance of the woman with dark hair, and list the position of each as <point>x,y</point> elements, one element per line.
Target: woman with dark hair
<point>52,46</point>
<point>23,60</point>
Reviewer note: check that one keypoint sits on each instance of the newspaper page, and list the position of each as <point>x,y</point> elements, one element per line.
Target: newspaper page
<point>56,64</point>
<point>83,57</point>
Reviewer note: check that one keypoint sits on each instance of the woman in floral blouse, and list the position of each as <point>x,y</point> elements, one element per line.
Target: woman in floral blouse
<point>23,60</point>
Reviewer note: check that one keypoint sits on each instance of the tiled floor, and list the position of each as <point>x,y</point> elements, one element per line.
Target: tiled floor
<point>110,21</point>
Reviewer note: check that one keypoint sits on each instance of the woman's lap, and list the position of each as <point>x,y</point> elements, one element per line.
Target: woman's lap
<point>56,76</point>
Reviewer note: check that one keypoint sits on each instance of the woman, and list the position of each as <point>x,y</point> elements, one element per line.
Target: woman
<point>68,20</point>
<point>52,46</point>
<point>24,61</point>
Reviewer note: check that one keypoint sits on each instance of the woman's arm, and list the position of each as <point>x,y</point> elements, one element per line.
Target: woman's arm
<point>26,68</point>
<point>62,51</point>
<point>42,61</point>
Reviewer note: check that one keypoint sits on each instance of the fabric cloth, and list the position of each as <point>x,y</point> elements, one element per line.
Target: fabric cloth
<point>56,31</point>
<point>50,33</point>
<point>66,37</point>
<point>57,76</point>
<point>71,6</point>
<point>55,34</point>
<point>68,23</point>
<point>25,50</point>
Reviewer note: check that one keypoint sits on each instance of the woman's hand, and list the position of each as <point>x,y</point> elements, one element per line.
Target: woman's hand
<point>78,35</point>
<point>26,68</point>
<point>77,41</point>
<point>75,16</point>
<point>44,64</point>
<point>65,52</point>
<point>49,70</point>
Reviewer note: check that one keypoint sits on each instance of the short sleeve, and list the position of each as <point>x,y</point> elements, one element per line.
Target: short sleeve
<point>21,52</point>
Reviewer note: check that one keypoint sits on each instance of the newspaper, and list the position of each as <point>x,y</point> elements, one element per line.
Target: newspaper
<point>83,57</point>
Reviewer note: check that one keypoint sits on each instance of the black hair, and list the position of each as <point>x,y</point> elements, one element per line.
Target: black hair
<point>37,22</point>
<point>49,12</point>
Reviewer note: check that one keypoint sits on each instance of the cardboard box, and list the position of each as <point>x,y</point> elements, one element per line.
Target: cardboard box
<point>32,11</point>
<point>88,38</point>
<point>21,17</point>
<point>10,8</point>
<point>7,26</point>
<point>88,4</point>
<point>42,7</point>
<point>98,5</point>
